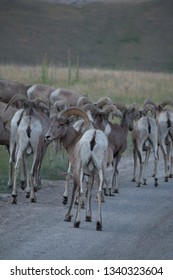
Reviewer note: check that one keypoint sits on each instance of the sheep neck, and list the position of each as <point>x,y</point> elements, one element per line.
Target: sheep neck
<point>70,138</point>
<point>125,122</point>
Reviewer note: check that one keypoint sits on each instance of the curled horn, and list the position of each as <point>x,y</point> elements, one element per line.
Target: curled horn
<point>120,106</point>
<point>164,103</point>
<point>149,101</point>
<point>103,101</point>
<point>149,107</point>
<point>39,100</point>
<point>17,97</point>
<point>91,107</point>
<point>82,101</point>
<point>74,111</point>
<point>113,109</point>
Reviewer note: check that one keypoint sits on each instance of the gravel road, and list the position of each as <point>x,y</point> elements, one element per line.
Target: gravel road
<point>137,223</point>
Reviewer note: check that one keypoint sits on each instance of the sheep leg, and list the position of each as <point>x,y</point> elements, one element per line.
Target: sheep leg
<point>166,159</point>
<point>11,164</point>
<point>155,172</point>
<point>80,184</point>
<point>171,159</point>
<point>10,177</point>
<point>145,167</point>
<point>16,171</point>
<point>171,168</point>
<point>141,161</point>
<point>66,191</point>
<point>115,175</point>
<point>135,165</point>
<point>69,215</point>
<point>88,204</point>
<point>77,219</point>
<point>26,167</point>
<point>32,178</point>
<point>23,175</point>
<point>99,217</point>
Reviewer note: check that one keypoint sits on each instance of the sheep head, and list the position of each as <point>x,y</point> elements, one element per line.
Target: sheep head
<point>103,101</point>
<point>37,103</point>
<point>59,123</point>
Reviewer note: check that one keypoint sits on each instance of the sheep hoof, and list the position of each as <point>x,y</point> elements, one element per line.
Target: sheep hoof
<point>156,183</point>
<point>33,200</point>
<point>166,179</point>
<point>65,200</point>
<point>27,195</point>
<point>83,205</point>
<point>105,192</point>
<point>36,189</point>
<point>133,180</point>
<point>110,193</point>
<point>67,218</point>
<point>144,182</point>
<point>14,201</point>
<point>99,226</point>
<point>138,186</point>
<point>76,224</point>
<point>170,175</point>
<point>88,219</point>
<point>116,191</point>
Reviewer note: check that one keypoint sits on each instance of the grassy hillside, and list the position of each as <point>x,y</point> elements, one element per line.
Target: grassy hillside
<point>128,36</point>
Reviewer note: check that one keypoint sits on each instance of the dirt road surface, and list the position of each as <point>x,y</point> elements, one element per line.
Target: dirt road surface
<point>137,223</point>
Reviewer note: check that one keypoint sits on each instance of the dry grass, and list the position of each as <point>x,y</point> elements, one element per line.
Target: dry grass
<point>124,86</point>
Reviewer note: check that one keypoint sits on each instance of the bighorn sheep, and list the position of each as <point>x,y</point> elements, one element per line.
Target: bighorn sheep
<point>5,116</point>
<point>164,118</point>
<point>69,97</point>
<point>40,91</point>
<point>88,154</point>
<point>88,107</point>
<point>28,128</point>
<point>144,137</point>
<point>10,88</point>
<point>117,134</point>
<point>4,134</point>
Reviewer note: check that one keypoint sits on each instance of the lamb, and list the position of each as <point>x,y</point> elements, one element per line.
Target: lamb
<point>28,127</point>
<point>88,154</point>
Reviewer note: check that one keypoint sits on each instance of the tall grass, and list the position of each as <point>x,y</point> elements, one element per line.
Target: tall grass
<point>122,86</point>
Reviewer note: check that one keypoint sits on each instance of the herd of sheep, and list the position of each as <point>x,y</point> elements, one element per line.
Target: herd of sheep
<point>34,116</point>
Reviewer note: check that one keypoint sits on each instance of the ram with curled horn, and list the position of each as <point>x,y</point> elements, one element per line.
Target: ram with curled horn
<point>117,134</point>
<point>83,150</point>
<point>164,118</point>
<point>27,131</point>
<point>145,139</point>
